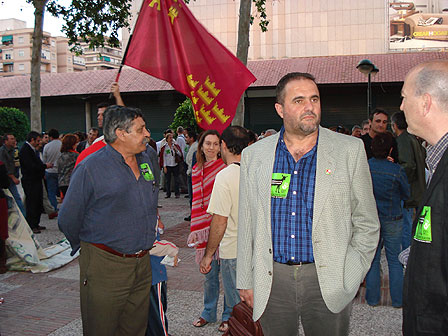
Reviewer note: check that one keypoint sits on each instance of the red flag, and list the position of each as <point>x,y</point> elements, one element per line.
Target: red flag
<point>170,44</point>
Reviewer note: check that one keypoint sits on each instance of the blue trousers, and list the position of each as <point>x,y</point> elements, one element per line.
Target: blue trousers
<point>390,236</point>
<point>52,189</point>
<point>15,193</point>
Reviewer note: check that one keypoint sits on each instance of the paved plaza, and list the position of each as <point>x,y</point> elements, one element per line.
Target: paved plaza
<point>48,303</point>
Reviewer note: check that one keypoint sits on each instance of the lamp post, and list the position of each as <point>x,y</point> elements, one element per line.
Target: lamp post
<point>369,69</point>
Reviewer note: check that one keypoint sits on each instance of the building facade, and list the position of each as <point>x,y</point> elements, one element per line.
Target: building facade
<point>101,58</point>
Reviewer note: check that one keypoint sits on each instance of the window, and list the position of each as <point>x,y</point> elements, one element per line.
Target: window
<point>21,67</point>
<point>53,43</point>
<point>53,56</point>
<point>53,68</point>
<point>9,68</point>
<point>8,56</point>
<point>21,53</point>
<point>21,40</point>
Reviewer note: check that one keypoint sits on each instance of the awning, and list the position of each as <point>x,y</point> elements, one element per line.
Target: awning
<point>7,38</point>
<point>105,58</point>
<point>8,63</point>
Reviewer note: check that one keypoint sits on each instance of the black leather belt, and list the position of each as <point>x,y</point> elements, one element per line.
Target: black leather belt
<point>396,218</point>
<point>300,263</point>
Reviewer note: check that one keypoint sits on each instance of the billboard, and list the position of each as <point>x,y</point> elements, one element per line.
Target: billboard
<point>418,25</point>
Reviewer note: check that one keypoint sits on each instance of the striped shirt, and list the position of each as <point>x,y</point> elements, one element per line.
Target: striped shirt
<point>292,216</point>
<point>434,155</point>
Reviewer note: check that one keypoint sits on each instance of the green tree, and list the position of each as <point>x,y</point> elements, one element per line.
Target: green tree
<point>93,21</point>
<point>14,121</point>
<point>184,116</point>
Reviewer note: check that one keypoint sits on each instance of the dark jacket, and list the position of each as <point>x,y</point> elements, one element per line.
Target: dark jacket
<point>33,169</point>
<point>411,156</point>
<point>425,289</point>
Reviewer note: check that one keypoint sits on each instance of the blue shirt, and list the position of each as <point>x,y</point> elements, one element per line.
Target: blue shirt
<point>390,187</point>
<point>106,204</point>
<point>292,217</point>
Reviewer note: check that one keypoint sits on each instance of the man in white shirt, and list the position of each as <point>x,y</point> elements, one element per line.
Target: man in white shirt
<point>192,142</point>
<point>224,208</point>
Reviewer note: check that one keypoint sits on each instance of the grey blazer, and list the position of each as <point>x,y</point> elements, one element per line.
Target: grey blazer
<point>345,221</point>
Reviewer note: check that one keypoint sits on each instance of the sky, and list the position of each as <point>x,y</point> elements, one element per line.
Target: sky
<point>20,9</point>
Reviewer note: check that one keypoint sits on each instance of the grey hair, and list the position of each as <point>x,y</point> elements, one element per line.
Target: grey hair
<point>356,127</point>
<point>433,79</point>
<point>118,117</point>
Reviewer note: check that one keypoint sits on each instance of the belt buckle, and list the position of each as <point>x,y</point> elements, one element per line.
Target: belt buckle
<point>138,254</point>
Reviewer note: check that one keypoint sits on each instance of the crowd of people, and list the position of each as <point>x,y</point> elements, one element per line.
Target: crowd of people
<point>294,220</point>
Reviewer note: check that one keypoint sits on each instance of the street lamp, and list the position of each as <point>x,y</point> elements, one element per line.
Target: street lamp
<point>369,69</point>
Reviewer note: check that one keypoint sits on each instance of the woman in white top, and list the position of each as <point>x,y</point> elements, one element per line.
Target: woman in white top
<point>170,167</point>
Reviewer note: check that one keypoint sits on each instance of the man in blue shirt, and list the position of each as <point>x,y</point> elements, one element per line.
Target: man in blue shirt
<point>308,225</point>
<point>110,212</point>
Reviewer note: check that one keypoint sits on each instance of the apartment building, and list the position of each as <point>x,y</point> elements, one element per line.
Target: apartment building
<point>101,58</point>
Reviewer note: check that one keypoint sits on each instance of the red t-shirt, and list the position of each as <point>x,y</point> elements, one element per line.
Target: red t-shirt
<point>90,150</point>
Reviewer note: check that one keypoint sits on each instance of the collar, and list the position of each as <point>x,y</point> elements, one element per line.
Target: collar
<point>282,144</point>
<point>34,149</point>
<point>435,153</point>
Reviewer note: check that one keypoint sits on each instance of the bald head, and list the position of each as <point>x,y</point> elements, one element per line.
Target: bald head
<point>425,100</point>
<point>431,78</point>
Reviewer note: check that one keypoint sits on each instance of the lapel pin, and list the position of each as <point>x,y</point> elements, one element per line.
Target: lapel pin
<point>328,171</point>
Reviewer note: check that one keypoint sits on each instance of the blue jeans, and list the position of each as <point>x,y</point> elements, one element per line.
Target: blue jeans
<point>231,294</point>
<point>407,227</point>
<point>390,236</point>
<point>211,293</point>
<point>15,193</point>
<point>52,188</point>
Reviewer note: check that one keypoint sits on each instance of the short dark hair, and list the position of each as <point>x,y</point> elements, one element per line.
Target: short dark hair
<point>399,119</point>
<point>119,117</point>
<point>378,111</point>
<point>95,129</point>
<point>191,133</point>
<point>53,133</point>
<point>5,136</point>
<point>382,144</point>
<point>364,122</point>
<point>33,135</point>
<point>280,89</point>
<point>252,136</point>
<point>103,104</point>
<point>236,139</point>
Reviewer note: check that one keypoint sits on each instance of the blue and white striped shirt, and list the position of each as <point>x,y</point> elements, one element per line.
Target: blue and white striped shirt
<point>292,217</point>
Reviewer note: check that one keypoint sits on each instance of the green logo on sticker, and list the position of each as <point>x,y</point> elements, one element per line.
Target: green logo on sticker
<point>423,230</point>
<point>146,172</point>
<point>280,185</point>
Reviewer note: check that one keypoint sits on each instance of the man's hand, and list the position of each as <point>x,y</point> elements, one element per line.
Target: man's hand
<point>176,260</point>
<point>49,165</point>
<point>115,89</point>
<point>205,265</point>
<point>247,295</point>
<point>165,170</point>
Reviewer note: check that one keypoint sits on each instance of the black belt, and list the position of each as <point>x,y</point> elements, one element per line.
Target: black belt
<point>396,218</point>
<point>300,263</point>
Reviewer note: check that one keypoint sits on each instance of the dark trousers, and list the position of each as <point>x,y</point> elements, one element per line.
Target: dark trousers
<point>157,320</point>
<point>114,293</point>
<point>190,190</point>
<point>172,171</point>
<point>33,201</point>
<point>296,297</point>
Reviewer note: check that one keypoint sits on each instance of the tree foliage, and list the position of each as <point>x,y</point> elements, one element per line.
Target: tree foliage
<point>95,22</point>
<point>184,116</point>
<point>14,121</point>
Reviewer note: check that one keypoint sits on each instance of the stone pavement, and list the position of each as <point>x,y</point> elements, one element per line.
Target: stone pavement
<point>48,304</point>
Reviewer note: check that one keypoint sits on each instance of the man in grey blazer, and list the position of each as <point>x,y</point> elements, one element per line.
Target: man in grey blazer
<point>308,224</point>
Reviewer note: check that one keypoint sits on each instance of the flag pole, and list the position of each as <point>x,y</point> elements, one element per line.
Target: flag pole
<point>126,50</point>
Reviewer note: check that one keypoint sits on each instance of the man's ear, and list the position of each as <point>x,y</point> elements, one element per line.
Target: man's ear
<point>119,133</point>
<point>427,103</point>
<point>279,109</point>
